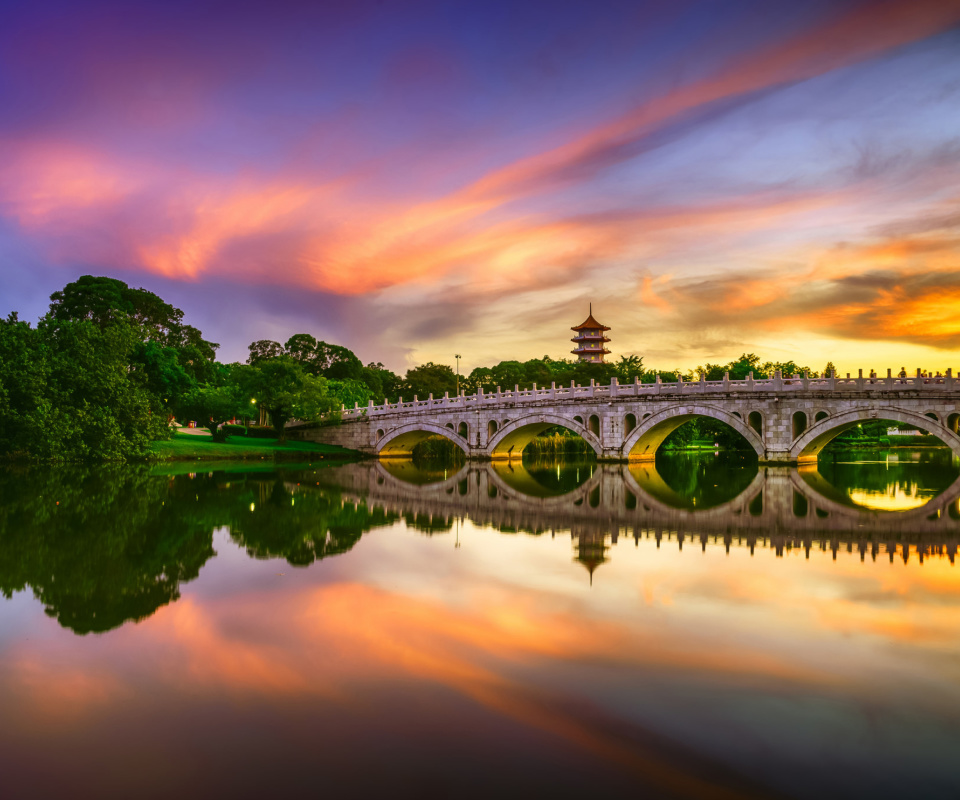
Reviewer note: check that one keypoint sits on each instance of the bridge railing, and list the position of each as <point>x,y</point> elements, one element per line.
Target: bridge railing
<point>614,389</point>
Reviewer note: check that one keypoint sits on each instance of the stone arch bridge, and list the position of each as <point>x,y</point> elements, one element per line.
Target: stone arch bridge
<point>785,420</point>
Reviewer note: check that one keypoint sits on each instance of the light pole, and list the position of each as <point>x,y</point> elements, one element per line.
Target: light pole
<point>457,356</point>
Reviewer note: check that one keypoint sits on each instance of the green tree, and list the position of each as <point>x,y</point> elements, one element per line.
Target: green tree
<point>349,392</point>
<point>316,399</point>
<point>337,363</point>
<point>105,301</point>
<point>278,383</point>
<point>24,386</point>
<point>214,405</point>
<point>264,349</point>
<point>429,379</point>
<point>629,367</point>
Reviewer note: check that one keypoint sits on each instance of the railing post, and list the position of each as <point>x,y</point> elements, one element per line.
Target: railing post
<point>614,383</point>
<point>750,382</point>
<point>553,389</point>
<point>593,384</point>
<point>726,381</point>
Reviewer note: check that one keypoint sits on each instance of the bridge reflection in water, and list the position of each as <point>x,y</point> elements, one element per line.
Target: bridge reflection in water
<point>781,508</point>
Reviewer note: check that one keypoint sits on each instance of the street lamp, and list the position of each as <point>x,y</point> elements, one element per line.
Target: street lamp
<point>457,356</point>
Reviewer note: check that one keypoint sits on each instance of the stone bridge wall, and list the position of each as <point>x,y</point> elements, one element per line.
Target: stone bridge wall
<point>785,420</point>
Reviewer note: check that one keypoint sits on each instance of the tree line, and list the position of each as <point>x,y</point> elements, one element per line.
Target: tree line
<point>108,367</point>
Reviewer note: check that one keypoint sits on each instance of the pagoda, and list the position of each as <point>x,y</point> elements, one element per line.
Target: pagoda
<point>590,340</point>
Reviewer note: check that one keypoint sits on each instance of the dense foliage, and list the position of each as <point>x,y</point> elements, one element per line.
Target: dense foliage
<point>109,367</point>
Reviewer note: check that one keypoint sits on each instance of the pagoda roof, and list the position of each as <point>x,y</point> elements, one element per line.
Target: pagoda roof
<point>590,322</point>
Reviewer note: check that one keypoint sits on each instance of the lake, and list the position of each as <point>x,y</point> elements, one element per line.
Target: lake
<point>700,627</point>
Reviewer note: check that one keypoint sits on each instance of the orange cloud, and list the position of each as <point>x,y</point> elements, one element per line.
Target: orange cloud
<point>340,239</point>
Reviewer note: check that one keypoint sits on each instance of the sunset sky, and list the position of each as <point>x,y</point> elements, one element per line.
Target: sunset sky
<point>414,180</point>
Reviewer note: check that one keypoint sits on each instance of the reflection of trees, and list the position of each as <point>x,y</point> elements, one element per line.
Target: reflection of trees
<point>102,546</point>
<point>919,473</point>
<point>427,524</point>
<point>706,480</point>
<point>115,548</point>
<point>539,476</point>
<point>302,526</point>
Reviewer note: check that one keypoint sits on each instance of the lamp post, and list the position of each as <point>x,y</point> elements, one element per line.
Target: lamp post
<point>457,356</point>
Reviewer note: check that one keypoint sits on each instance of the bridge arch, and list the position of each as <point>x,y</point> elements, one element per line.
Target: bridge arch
<point>399,442</point>
<point>807,447</point>
<point>643,442</point>
<point>510,440</point>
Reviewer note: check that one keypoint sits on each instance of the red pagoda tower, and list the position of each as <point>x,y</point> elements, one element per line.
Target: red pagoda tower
<point>590,340</point>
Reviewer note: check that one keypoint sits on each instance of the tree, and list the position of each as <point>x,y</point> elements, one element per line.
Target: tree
<point>349,392</point>
<point>337,363</point>
<point>430,379</point>
<point>213,406</point>
<point>264,349</point>
<point>104,301</point>
<point>743,366</point>
<point>278,382</point>
<point>316,399</point>
<point>172,356</point>
<point>629,367</point>
<point>384,384</point>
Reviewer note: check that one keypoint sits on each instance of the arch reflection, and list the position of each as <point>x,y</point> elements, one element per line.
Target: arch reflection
<point>779,508</point>
<point>884,480</point>
<point>545,477</point>
<point>694,481</point>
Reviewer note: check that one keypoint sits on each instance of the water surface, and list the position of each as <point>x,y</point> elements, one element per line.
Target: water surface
<point>695,628</point>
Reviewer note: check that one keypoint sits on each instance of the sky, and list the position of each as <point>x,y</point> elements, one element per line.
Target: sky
<point>419,179</point>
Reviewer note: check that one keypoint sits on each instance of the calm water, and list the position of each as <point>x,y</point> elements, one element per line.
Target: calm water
<point>700,628</point>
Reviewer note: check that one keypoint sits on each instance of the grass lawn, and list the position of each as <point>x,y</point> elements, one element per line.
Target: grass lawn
<point>184,446</point>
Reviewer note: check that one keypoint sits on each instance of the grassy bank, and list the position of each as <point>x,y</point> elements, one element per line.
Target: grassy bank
<point>184,447</point>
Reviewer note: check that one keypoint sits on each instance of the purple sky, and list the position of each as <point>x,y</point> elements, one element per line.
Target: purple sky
<point>413,180</point>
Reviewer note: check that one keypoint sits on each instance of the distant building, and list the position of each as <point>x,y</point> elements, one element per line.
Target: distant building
<point>590,340</point>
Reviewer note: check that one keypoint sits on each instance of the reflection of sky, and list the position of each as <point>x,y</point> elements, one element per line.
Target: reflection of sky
<point>897,497</point>
<point>755,177</point>
<point>811,675</point>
